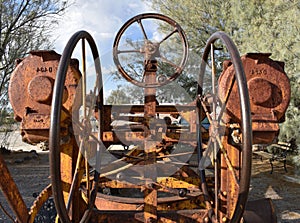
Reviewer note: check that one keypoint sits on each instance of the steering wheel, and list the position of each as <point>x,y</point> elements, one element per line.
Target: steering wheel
<point>151,46</point>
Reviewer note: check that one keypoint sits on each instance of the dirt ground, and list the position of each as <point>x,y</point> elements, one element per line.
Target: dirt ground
<point>30,171</point>
<point>283,188</point>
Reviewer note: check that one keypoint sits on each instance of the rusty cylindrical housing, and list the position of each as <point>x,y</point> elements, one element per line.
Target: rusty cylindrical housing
<point>269,91</point>
<point>30,92</point>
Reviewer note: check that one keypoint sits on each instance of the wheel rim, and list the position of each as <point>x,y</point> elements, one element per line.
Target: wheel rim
<point>55,126</point>
<point>242,175</point>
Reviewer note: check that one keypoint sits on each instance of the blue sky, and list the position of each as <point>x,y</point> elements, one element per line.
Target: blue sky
<point>102,19</point>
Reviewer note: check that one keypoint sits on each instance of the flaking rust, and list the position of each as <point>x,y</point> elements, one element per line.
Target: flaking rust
<point>31,90</point>
<point>269,91</point>
<point>148,182</point>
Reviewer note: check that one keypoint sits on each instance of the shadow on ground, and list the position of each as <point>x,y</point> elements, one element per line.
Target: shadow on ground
<point>283,188</point>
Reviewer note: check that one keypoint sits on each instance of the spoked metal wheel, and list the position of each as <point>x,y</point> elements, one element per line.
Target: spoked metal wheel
<point>132,53</point>
<point>225,157</point>
<point>70,162</point>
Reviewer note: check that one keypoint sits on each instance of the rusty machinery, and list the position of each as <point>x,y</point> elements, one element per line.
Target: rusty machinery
<point>171,173</point>
<point>30,93</point>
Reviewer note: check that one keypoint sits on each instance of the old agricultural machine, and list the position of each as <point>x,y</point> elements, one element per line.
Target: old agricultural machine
<point>193,171</point>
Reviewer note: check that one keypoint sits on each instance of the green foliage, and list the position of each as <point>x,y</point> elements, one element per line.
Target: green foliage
<point>118,97</point>
<point>7,125</point>
<point>255,26</point>
<point>130,94</point>
<point>25,25</point>
<point>6,117</point>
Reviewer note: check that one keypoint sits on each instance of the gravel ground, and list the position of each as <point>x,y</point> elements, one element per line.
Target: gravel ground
<point>30,171</point>
<point>283,188</point>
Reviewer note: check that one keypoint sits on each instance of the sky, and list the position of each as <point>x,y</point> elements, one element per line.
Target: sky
<point>102,19</point>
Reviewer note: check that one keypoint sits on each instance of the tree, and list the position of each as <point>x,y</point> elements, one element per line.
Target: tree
<point>255,26</point>
<point>25,25</point>
<point>118,96</point>
<point>130,94</point>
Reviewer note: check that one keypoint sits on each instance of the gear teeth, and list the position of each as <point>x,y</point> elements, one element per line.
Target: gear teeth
<point>38,203</point>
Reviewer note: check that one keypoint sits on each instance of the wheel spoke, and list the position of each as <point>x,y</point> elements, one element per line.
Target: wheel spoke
<point>87,170</point>
<point>214,115</point>
<point>165,60</point>
<point>75,179</point>
<point>142,28</point>
<point>174,155</point>
<point>168,36</point>
<point>130,51</point>
<point>204,106</point>
<point>85,112</point>
<point>207,157</point>
<point>83,78</point>
<point>232,81</point>
<point>227,160</point>
<point>135,158</point>
<point>213,72</point>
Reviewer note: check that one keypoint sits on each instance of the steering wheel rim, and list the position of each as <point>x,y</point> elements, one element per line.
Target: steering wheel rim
<point>138,19</point>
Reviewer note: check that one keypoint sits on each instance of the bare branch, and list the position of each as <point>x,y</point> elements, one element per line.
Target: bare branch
<point>25,25</point>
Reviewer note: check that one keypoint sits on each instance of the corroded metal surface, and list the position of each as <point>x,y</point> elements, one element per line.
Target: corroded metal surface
<point>187,193</point>
<point>30,92</point>
<point>12,194</point>
<point>269,91</point>
<point>43,209</point>
<point>181,216</point>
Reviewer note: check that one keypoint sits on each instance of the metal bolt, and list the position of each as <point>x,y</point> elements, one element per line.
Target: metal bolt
<point>161,78</point>
<point>120,176</point>
<point>182,192</point>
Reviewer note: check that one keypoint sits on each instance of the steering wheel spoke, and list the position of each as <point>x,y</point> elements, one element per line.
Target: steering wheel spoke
<point>139,21</point>
<point>130,51</point>
<point>165,60</point>
<point>168,36</point>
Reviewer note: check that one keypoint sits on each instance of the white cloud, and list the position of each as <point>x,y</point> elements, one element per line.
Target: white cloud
<point>102,19</point>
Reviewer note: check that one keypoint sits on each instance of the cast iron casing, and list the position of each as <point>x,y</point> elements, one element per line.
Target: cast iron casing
<point>269,92</point>
<point>31,91</point>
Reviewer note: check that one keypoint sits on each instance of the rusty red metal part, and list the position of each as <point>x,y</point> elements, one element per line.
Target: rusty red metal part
<point>269,91</point>
<point>30,92</point>
<point>251,88</point>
